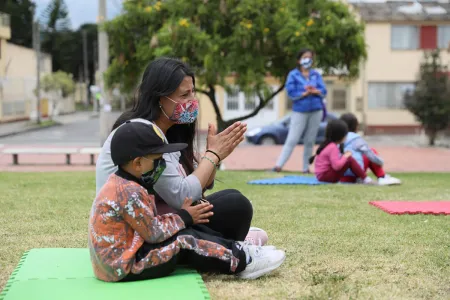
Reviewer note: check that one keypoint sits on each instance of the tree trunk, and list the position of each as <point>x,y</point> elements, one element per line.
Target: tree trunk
<point>431,134</point>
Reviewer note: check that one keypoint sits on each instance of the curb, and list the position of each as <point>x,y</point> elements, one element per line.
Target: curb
<point>36,128</point>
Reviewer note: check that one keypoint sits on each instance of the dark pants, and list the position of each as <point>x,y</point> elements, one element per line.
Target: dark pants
<point>233,214</point>
<point>189,257</point>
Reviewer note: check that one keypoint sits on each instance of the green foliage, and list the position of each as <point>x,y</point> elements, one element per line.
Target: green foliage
<point>430,101</point>
<point>21,14</point>
<point>58,81</point>
<point>249,37</point>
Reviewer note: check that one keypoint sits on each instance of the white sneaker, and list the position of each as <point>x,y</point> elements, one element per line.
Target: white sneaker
<point>248,243</point>
<point>366,180</point>
<point>263,261</point>
<point>389,180</point>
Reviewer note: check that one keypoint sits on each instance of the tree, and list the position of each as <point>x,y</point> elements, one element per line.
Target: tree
<point>249,38</point>
<point>59,85</point>
<point>21,14</point>
<point>430,100</point>
<point>57,33</point>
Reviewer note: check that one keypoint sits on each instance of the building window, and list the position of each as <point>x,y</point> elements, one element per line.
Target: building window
<point>443,33</point>
<point>233,99</point>
<point>339,99</point>
<point>388,95</point>
<point>404,37</point>
<point>250,101</point>
<point>428,37</point>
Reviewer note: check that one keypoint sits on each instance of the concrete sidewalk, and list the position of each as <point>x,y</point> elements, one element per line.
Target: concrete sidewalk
<point>13,128</point>
<point>397,159</point>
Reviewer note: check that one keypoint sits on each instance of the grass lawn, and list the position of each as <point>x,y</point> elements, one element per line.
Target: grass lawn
<point>338,246</point>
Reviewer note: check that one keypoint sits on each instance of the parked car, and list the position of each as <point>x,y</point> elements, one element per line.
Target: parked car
<point>276,133</point>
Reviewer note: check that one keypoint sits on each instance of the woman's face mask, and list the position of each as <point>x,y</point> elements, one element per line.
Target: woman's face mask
<point>306,62</point>
<point>183,113</point>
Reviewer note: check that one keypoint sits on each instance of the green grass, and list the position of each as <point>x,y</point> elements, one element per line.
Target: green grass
<point>338,246</point>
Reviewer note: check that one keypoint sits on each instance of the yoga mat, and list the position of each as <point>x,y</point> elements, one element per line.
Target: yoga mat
<point>66,273</point>
<point>291,180</point>
<point>406,207</point>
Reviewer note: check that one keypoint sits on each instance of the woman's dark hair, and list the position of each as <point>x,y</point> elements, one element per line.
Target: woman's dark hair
<point>303,51</point>
<point>161,78</point>
<point>336,130</point>
<point>351,121</point>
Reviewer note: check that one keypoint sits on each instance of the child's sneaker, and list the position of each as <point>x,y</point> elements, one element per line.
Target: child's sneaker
<point>388,180</point>
<point>366,180</point>
<point>262,261</point>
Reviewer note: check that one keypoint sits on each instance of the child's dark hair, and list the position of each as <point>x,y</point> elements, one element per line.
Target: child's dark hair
<point>351,121</point>
<point>336,130</point>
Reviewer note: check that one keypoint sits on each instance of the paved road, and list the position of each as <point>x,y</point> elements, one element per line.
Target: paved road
<point>80,133</point>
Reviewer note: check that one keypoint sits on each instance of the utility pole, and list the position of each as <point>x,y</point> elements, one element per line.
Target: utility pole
<point>103,60</point>
<point>37,49</point>
<point>86,69</point>
<point>95,60</point>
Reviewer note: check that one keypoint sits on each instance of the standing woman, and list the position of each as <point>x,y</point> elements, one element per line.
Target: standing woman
<point>305,87</point>
<point>168,101</point>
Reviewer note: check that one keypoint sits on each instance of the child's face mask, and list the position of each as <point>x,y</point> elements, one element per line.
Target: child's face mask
<point>151,177</point>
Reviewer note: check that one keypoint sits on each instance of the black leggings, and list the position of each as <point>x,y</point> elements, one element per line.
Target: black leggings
<point>190,258</point>
<point>233,214</point>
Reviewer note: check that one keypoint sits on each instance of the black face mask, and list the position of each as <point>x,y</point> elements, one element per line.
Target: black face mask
<point>151,177</point>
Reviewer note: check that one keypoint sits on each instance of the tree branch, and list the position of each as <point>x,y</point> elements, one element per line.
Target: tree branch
<point>262,104</point>
<point>212,97</point>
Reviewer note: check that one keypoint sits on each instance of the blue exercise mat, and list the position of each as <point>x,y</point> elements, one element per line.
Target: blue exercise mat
<point>302,180</point>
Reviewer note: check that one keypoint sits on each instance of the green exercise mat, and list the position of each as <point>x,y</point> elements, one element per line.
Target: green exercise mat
<point>65,273</point>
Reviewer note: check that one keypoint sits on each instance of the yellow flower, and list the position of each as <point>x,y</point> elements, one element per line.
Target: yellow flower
<point>297,33</point>
<point>148,9</point>
<point>246,23</point>
<point>158,6</point>
<point>266,30</point>
<point>310,22</point>
<point>183,23</point>
<point>303,28</point>
<point>282,9</point>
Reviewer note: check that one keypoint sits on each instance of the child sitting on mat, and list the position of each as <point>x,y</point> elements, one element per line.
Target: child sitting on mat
<point>330,165</point>
<point>366,157</point>
<point>129,241</point>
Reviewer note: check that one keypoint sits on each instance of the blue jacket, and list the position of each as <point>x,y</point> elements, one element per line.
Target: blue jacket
<point>359,147</point>
<point>296,86</point>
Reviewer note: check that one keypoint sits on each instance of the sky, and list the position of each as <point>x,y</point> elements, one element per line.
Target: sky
<point>83,11</point>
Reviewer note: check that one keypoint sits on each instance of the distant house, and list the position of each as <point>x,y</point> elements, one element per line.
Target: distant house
<point>397,33</point>
<point>18,76</point>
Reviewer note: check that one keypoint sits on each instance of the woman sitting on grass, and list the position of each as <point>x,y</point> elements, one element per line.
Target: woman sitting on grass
<point>330,164</point>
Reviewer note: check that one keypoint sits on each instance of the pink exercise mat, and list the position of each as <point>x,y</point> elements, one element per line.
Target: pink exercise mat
<point>412,208</point>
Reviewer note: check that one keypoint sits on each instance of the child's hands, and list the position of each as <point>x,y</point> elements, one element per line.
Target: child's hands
<point>347,154</point>
<point>199,213</point>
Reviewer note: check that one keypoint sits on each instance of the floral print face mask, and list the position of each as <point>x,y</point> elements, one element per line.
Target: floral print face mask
<point>183,113</point>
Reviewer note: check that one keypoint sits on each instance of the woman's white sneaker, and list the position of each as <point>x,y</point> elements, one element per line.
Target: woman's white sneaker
<point>262,261</point>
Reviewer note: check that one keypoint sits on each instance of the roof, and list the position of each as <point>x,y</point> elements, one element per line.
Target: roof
<point>404,11</point>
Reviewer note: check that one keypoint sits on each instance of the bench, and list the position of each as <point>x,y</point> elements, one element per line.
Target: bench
<point>92,152</point>
<point>16,151</point>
